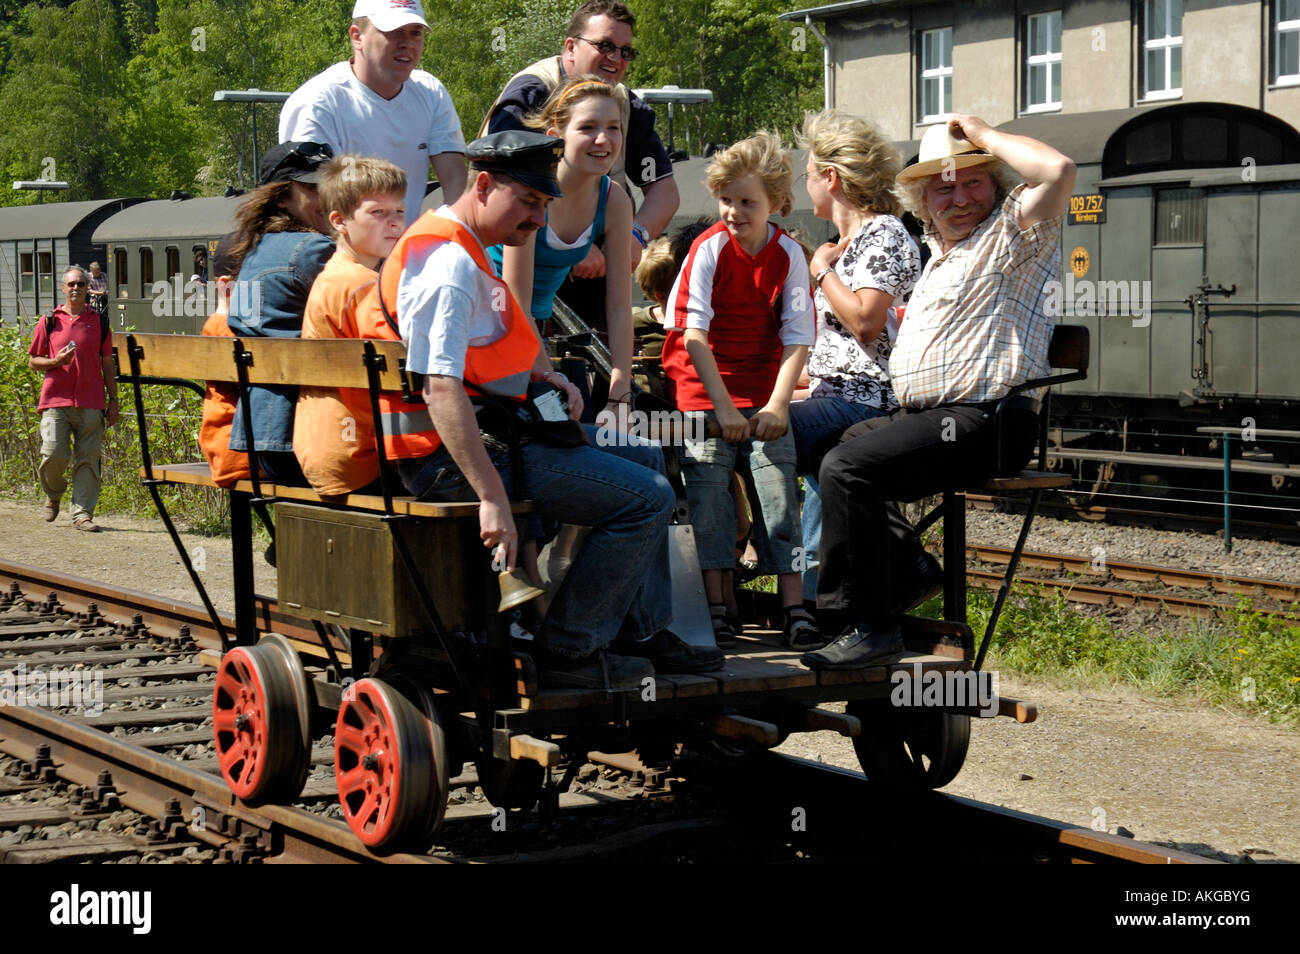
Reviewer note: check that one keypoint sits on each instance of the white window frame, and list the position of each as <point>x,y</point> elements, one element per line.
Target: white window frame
<point>1050,62</point>
<point>1166,44</point>
<point>1280,27</point>
<point>936,74</point>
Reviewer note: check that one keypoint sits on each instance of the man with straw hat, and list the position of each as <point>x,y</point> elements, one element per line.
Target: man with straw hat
<point>975,327</point>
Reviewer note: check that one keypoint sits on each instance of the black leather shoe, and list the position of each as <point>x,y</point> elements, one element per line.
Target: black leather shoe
<point>858,647</point>
<point>918,581</point>
<point>670,654</point>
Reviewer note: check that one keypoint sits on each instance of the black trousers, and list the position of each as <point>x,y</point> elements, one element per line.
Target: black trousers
<point>904,456</point>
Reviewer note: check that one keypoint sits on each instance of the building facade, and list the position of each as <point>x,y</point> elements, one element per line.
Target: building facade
<point>907,64</point>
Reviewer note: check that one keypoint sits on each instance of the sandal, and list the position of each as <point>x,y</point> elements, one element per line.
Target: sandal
<point>85,524</point>
<point>801,632</point>
<point>723,632</point>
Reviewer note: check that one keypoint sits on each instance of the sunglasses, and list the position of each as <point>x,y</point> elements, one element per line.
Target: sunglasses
<point>609,49</point>
<point>74,284</point>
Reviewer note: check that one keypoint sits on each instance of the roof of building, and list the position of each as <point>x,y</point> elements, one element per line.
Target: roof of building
<point>833,11</point>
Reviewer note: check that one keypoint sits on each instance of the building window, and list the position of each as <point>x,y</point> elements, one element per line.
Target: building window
<point>1162,49</point>
<point>1180,216</point>
<point>936,74</point>
<point>27,272</point>
<point>1286,42</point>
<point>45,272</point>
<point>120,273</point>
<point>1043,61</point>
<point>146,272</point>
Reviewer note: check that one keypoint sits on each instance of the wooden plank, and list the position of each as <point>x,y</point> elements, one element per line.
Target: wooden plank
<point>198,475</point>
<point>197,714</point>
<point>323,362</point>
<point>197,690</point>
<point>686,686</point>
<point>551,700</point>
<point>71,660</point>
<point>759,674</point>
<point>167,740</point>
<point>1027,480</point>
<point>67,849</point>
<point>11,816</point>
<point>853,677</point>
<point>1020,711</point>
<point>56,645</point>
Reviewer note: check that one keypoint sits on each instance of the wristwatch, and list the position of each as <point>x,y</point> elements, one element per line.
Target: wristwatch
<point>817,279</point>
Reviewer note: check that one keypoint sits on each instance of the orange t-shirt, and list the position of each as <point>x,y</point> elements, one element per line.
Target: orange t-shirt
<point>219,404</point>
<point>334,446</point>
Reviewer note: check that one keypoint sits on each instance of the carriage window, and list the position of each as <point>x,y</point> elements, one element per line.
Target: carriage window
<point>936,74</point>
<point>1162,49</point>
<point>1043,61</point>
<point>27,271</point>
<point>1180,216</point>
<point>45,272</point>
<point>1286,42</point>
<point>146,272</point>
<point>174,262</point>
<point>120,268</point>
<point>201,262</point>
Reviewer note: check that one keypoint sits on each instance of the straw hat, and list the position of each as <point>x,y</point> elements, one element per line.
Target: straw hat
<point>940,150</point>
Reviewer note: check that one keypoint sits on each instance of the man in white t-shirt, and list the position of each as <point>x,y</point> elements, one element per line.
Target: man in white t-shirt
<point>379,104</point>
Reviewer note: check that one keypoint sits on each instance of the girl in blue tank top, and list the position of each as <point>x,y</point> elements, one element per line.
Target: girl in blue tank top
<point>584,112</point>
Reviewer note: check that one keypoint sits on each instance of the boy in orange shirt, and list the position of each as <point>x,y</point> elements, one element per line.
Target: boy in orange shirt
<point>365,201</point>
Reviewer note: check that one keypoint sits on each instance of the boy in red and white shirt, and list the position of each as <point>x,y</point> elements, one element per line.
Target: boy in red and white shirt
<point>739,324</point>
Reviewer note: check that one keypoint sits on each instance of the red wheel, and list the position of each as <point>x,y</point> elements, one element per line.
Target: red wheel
<point>422,698</point>
<point>383,762</point>
<point>304,700</point>
<point>256,726</point>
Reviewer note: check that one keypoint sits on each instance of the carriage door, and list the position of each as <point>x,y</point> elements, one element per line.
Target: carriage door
<point>1177,263</point>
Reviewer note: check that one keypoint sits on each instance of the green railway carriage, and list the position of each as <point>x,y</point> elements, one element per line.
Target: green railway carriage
<point>37,242</point>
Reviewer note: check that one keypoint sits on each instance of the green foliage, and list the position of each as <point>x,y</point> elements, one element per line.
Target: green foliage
<point>171,415</point>
<point>118,93</point>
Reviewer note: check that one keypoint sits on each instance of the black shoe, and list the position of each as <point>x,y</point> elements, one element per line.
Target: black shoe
<point>601,671</point>
<point>858,647</point>
<point>670,654</point>
<point>918,581</point>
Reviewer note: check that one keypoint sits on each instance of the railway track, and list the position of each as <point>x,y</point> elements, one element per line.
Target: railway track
<point>124,772</point>
<point>1159,580</point>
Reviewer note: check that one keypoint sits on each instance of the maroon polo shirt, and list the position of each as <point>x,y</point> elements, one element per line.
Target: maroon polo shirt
<point>80,382</point>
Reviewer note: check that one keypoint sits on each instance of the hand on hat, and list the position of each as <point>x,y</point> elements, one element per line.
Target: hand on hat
<point>971,128</point>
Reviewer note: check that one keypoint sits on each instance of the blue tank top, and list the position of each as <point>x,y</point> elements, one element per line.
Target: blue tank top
<point>551,265</point>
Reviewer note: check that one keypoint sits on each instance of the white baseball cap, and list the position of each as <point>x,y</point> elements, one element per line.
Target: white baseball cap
<point>389,15</point>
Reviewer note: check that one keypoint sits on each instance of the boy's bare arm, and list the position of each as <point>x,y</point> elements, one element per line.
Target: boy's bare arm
<point>774,418</point>
<point>734,425</point>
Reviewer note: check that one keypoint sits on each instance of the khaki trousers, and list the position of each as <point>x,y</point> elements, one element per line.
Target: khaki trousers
<point>75,433</point>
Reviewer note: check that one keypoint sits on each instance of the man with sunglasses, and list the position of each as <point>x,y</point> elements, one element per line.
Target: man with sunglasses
<point>599,42</point>
<point>379,104</point>
<point>73,348</point>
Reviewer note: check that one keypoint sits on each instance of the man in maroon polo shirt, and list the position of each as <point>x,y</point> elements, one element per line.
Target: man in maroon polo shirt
<point>76,357</point>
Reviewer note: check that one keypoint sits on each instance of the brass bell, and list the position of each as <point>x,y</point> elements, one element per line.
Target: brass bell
<point>516,589</point>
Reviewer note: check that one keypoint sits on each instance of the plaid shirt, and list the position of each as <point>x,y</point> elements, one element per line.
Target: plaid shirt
<point>977,324</point>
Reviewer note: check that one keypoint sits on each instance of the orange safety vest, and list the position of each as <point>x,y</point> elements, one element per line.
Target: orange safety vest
<point>502,367</point>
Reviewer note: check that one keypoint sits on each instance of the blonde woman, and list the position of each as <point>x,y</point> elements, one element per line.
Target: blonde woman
<point>584,112</point>
<point>859,283</point>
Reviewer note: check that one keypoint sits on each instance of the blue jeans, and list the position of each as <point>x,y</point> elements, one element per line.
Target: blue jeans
<point>619,580</point>
<point>707,467</point>
<point>817,424</point>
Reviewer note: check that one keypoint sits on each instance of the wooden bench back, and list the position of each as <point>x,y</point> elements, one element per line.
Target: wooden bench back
<point>1069,347</point>
<point>322,362</point>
